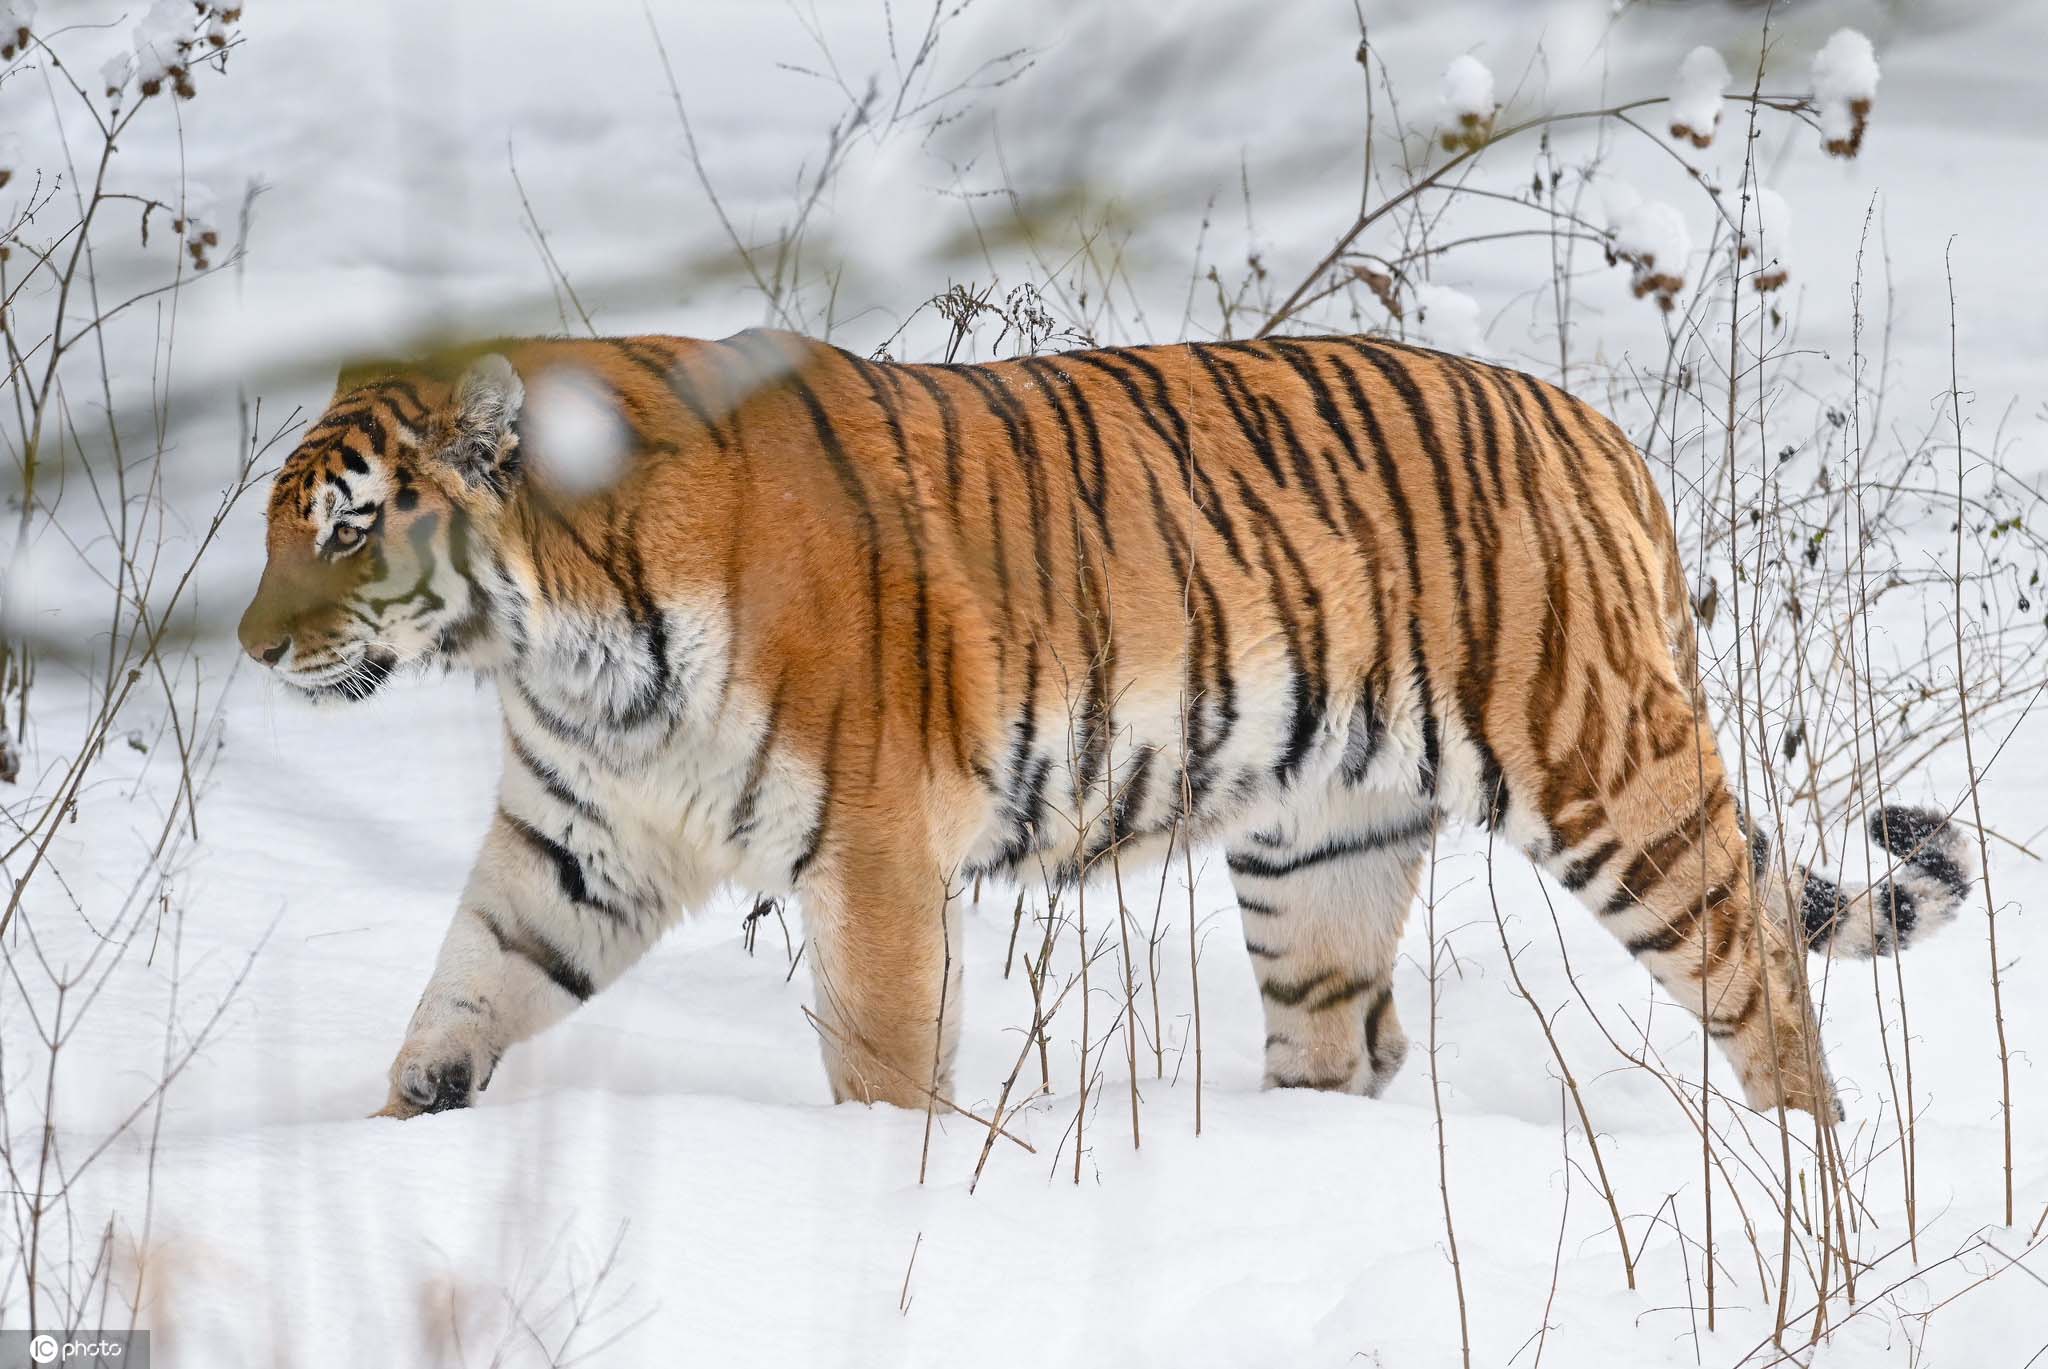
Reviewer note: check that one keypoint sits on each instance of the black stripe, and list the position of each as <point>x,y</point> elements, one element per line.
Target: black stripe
<point>1306,638</point>
<point>1668,937</point>
<point>816,839</point>
<point>1243,407</point>
<point>1249,863</point>
<point>913,533</point>
<point>551,780</point>
<point>1148,410</point>
<point>667,367</point>
<point>1362,738</point>
<point>949,428</point>
<point>1339,994</point>
<point>848,475</point>
<point>1587,868</point>
<point>1375,1019</point>
<point>757,766</point>
<point>1091,479</point>
<point>1023,447</point>
<point>545,957</point>
<point>1293,995</point>
<point>568,869</point>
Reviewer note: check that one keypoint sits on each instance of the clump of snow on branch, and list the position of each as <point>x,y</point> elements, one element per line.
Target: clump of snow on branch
<point>1844,88</point>
<point>575,439</point>
<point>194,221</point>
<point>161,41</point>
<point>1468,103</point>
<point>1447,317</point>
<point>1651,237</point>
<point>1696,96</point>
<point>1767,238</point>
<point>114,74</point>
<point>172,36</point>
<point>16,18</point>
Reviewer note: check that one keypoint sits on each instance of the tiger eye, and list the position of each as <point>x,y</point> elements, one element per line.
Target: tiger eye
<point>347,535</point>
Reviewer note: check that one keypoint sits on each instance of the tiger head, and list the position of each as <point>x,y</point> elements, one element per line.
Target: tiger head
<point>375,523</point>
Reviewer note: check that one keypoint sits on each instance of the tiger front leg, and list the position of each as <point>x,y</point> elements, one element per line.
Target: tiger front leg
<point>539,931</point>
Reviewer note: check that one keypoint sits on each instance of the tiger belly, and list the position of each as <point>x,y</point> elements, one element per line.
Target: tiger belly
<point>1067,790</point>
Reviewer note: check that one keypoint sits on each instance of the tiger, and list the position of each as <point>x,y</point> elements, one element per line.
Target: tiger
<point>772,616</point>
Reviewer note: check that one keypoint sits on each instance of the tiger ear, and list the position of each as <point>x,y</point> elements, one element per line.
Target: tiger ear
<point>488,399</point>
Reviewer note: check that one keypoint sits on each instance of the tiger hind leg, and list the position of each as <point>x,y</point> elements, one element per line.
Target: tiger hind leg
<point>1324,894</point>
<point>1671,872</point>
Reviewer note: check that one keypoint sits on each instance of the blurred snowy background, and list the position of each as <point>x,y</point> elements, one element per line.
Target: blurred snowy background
<point>662,1179</point>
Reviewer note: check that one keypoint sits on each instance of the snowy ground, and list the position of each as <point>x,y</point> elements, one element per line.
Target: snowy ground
<point>683,1114</point>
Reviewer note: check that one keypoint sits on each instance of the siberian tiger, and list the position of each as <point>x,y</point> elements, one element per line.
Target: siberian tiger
<point>862,630</point>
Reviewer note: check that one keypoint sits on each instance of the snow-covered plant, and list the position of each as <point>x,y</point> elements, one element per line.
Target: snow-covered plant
<point>16,17</point>
<point>1844,89</point>
<point>115,74</point>
<point>1650,236</point>
<point>161,42</point>
<point>193,221</point>
<point>99,667</point>
<point>1468,103</point>
<point>173,37</point>
<point>1696,95</point>
<point>1767,239</point>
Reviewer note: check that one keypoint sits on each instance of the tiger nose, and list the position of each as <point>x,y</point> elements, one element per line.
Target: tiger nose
<point>263,637</point>
<point>270,653</point>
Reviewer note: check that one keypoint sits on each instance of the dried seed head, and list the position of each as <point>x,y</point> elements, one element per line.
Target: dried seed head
<point>1850,143</point>
<point>1382,286</point>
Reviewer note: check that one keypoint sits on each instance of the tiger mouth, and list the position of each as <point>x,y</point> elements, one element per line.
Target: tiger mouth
<point>354,682</point>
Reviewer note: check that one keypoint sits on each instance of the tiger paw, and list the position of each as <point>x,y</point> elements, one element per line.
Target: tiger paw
<point>432,1079</point>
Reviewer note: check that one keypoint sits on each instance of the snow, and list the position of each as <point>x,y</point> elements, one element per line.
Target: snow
<point>1449,318</point>
<point>1845,88</point>
<point>579,444</point>
<point>115,73</point>
<point>17,19</point>
<point>1696,96</point>
<point>1468,89</point>
<point>1467,94</point>
<point>683,1114</point>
